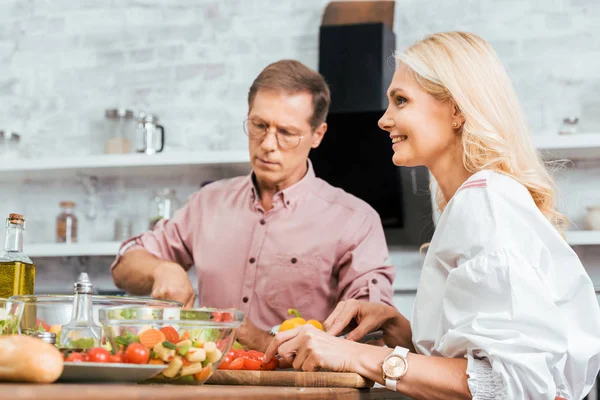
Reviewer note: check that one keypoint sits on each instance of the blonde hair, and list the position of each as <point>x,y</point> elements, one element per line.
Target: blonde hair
<point>463,68</point>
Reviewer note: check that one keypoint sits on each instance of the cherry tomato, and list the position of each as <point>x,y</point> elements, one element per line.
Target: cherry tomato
<point>237,364</point>
<point>75,357</point>
<point>137,353</point>
<point>170,334</point>
<point>118,358</point>
<point>99,355</point>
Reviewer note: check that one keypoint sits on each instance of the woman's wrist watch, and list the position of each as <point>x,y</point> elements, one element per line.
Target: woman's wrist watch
<point>394,367</point>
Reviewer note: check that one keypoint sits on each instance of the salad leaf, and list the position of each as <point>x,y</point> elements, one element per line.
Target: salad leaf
<point>128,314</point>
<point>205,335</point>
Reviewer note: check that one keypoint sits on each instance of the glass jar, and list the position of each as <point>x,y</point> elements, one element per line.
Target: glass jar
<point>121,125</point>
<point>163,204</point>
<point>66,223</point>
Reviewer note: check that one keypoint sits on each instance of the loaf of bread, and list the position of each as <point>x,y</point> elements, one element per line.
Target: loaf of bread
<point>28,359</point>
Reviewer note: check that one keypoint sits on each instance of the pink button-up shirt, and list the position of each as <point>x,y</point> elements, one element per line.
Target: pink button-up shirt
<point>316,246</point>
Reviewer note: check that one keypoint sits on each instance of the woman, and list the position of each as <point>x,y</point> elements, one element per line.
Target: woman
<point>504,308</point>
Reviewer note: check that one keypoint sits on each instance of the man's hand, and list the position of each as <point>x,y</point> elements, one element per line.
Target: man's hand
<point>172,283</point>
<point>252,338</point>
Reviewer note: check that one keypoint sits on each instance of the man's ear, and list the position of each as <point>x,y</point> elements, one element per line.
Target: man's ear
<point>317,135</point>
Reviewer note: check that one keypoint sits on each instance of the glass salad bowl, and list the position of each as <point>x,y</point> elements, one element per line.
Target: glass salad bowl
<point>190,342</point>
<point>48,313</point>
<point>10,316</point>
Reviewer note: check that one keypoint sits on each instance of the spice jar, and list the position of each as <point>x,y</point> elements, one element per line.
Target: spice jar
<point>66,223</point>
<point>47,337</point>
<point>163,204</point>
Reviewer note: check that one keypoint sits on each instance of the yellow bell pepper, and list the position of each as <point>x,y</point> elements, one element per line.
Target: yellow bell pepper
<point>298,321</point>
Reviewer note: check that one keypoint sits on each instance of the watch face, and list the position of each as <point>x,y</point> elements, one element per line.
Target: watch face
<point>394,367</point>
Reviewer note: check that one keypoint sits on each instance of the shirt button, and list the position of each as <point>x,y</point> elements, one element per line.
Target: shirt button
<point>374,281</point>
<point>252,260</point>
<point>245,299</point>
<point>262,222</point>
<point>294,260</point>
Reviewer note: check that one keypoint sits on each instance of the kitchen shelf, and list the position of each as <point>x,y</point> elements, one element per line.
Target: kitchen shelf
<point>408,256</point>
<point>572,147</point>
<point>164,164</point>
<point>583,238</point>
<point>76,249</point>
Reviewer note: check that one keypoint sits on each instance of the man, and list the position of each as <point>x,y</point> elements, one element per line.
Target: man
<point>279,238</point>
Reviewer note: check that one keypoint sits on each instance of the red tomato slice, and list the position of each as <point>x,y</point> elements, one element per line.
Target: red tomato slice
<point>251,364</point>
<point>236,353</point>
<point>137,353</point>
<point>75,357</point>
<point>237,364</point>
<point>170,334</point>
<point>99,355</point>
<point>271,365</point>
<point>256,355</point>
<point>225,362</point>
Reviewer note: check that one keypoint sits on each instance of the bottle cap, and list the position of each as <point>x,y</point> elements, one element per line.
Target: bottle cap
<point>83,285</point>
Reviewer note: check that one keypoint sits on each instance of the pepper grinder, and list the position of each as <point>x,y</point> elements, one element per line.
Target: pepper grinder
<point>81,332</point>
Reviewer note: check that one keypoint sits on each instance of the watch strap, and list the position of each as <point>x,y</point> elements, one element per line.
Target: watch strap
<point>391,384</point>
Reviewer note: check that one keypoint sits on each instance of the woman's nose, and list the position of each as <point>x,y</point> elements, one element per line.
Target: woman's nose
<point>385,122</point>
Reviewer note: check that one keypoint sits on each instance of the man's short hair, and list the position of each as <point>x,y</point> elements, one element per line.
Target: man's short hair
<point>293,77</point>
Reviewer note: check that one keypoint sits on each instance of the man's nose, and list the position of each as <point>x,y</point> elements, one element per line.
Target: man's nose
<point>269,142</point>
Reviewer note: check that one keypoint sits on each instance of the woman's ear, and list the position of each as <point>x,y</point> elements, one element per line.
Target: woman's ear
<point>458,117</point>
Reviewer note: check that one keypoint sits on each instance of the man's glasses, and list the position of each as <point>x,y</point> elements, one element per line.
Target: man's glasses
<point>257,130</point>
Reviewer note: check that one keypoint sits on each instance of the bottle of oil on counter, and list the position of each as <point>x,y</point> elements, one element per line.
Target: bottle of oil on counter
<point>17,271</point>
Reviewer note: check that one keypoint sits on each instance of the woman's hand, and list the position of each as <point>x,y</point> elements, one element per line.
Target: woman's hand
<point>309,349</point>
<point>370,317</point>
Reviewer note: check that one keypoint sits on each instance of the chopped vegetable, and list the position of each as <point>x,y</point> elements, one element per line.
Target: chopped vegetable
<point>183,347</point>
<point>163,353</point>
<point>173,368</point>
<point>196,355</point>
<point>170,334</point>
<point>151,337</point>
<point>191,369</point>
<point>204,374</point>
<point>248,360</point>
<point>169,345</point>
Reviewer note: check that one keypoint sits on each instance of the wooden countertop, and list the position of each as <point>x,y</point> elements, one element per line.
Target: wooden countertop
<point>142,392</point>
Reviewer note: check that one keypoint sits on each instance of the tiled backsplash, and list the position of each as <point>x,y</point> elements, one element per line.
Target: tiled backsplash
<point>191,62</point>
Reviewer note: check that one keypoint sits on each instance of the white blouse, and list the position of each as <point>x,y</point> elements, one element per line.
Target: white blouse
<point>502,288</point>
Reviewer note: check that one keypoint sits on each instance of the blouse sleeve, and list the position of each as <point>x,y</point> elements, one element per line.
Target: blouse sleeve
<point>495,306</point>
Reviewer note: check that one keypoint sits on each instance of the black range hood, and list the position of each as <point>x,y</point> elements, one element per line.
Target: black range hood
<point>355,155</point>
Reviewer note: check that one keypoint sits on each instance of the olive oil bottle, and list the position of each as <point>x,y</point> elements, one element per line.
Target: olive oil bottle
<point>17,271</point>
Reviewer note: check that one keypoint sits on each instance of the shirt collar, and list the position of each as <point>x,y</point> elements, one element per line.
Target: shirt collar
<point>290,195</point>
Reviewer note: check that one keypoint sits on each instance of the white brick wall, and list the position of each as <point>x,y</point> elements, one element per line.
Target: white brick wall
<point>191,62</point>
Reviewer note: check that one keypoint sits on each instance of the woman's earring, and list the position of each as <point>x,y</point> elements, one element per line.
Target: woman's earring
<point>455,124</point>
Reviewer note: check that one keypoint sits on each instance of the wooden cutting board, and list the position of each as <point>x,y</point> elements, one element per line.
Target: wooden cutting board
<point>289,378</point>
